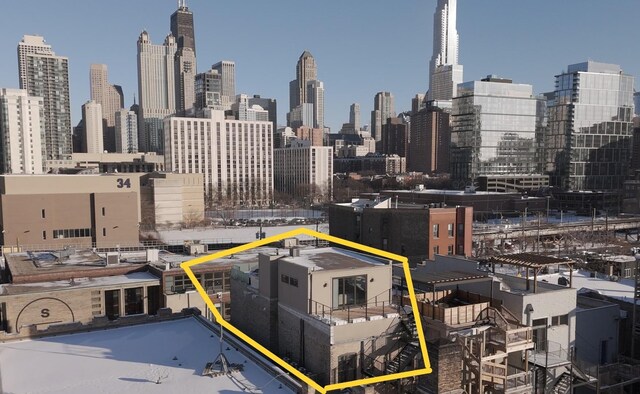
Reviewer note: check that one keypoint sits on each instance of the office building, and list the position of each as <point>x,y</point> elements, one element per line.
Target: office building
<point>43,74</point>
<point>227,71</point>
<point>106,163</point>
<point>156,90</point>
<point>306,71</point>
<point>315,96</point>
<point>354,116</point>
<point>302,115</point>
<point>111,99</point>
<point>242,110</point>
<point>376,163</point>
<point>167,199</point>
<point>430,136</point>
<point>590,128</point>
<point>208,90</point>
<point>312,135</point>
<point>185,68</point>
<point>21,132</point>
<point>182,27</point>
<point>383,108</point>
<point>126,131</point>
<point>444,71</point>
<point>92,138</point>
<point>235,156</point>
<point>493,130</point>
<point>268,104</point>
<point>304,172</point>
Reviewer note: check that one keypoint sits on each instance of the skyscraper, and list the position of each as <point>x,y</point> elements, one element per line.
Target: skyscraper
<point>43,74</point>
<point>306,70</point>
<point>185,68</point>
<point>269,104</point>
<point>185,59</point>
<point>430,136</point>
<point>383,108</point>
<point>111,99</point>
<point>182,27</point>
<point>21,132</point>
<point>92,141</point>
<point>590,126</point>
<point>208,89</point>
<point>156,90</point>
<point>444,71</point>
<point>227,71</point>
<point>315,96</point>
<point>126,131</point>
<point>354,116</point>
<point>493,130</point>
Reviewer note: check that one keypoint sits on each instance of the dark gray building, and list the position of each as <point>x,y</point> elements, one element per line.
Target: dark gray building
<point>182,27</point>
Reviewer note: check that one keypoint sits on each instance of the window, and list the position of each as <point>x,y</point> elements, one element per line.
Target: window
<point>460,228</point>
<point>71,233</point>
<point>351,290</point>
<point>450,250</point>
<point>103,211</point>
<point>560,320</point>
<point>293,282</point>
<point>133,301</point>
<point>284,278</point>
<point>450,229</point>
<point>104,232</point>
<point>436,250</point>
<point>43,214</point>
<point>112,304</point>
<point>44,235</point>
<point>436,230</point>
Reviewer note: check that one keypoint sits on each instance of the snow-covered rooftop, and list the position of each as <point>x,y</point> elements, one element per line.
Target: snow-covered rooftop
<point>129,360</point>
<point>622,289</point>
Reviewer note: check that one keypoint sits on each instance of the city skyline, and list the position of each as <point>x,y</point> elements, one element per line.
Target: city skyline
<point>517,55</point>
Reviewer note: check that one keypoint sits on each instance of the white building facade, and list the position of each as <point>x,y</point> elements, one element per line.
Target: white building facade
<point>235,156</point>
<point>21,132</point>
<point>126,131</point>
<point>304,172</point>
<point>444,71</point>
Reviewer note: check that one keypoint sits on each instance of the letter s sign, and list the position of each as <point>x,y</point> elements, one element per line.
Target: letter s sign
<point>44,312</point>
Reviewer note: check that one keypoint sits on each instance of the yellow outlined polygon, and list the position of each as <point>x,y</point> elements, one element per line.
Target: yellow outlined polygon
<point>186,266</point>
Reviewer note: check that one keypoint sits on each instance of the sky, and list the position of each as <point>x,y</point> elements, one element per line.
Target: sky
<point>361,46</point>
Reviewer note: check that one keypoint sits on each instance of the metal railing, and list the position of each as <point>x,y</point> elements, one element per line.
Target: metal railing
<point>349,313</point>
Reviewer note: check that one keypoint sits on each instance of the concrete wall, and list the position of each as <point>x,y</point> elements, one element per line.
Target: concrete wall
<point>297,297</point>
<point>74,305</point>
<point>254,314</point>
<point>596,324</point>
<point>379,287</point>
<point>25,223</point>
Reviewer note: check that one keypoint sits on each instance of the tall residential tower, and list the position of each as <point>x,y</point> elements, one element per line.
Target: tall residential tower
<point>444,71</point>
<point>43,74</point>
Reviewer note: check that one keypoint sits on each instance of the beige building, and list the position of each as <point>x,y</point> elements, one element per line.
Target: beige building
<point>172,198</point>
<point>58,210</point>
<point>107,95</point>
<point>328,310</point>
<point>93,136</point>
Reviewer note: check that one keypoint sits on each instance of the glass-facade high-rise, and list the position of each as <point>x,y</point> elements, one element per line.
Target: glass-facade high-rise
<point>493,130</point>
<point>590,128</point>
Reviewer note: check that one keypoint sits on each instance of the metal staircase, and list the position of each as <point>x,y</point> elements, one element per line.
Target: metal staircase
<point>563,385</point>
<point>403,359</point>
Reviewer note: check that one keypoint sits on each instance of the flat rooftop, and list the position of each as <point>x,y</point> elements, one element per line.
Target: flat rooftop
<point>79,283</point>
<point>32,264</point>
<point>622,289</point>
<point>129,360</point>
<point>334,259</point>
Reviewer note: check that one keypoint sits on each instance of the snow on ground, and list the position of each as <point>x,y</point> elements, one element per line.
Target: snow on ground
<point>236,235</point>
<point>128,360</point>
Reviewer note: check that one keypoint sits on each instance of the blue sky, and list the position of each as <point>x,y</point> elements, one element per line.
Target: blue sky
<point>361,46</point>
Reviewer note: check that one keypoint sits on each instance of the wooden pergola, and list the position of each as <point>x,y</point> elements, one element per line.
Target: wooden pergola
<point>534,262</point>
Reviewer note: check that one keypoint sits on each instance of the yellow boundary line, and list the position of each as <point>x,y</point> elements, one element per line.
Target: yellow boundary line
<point>186,266</point>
